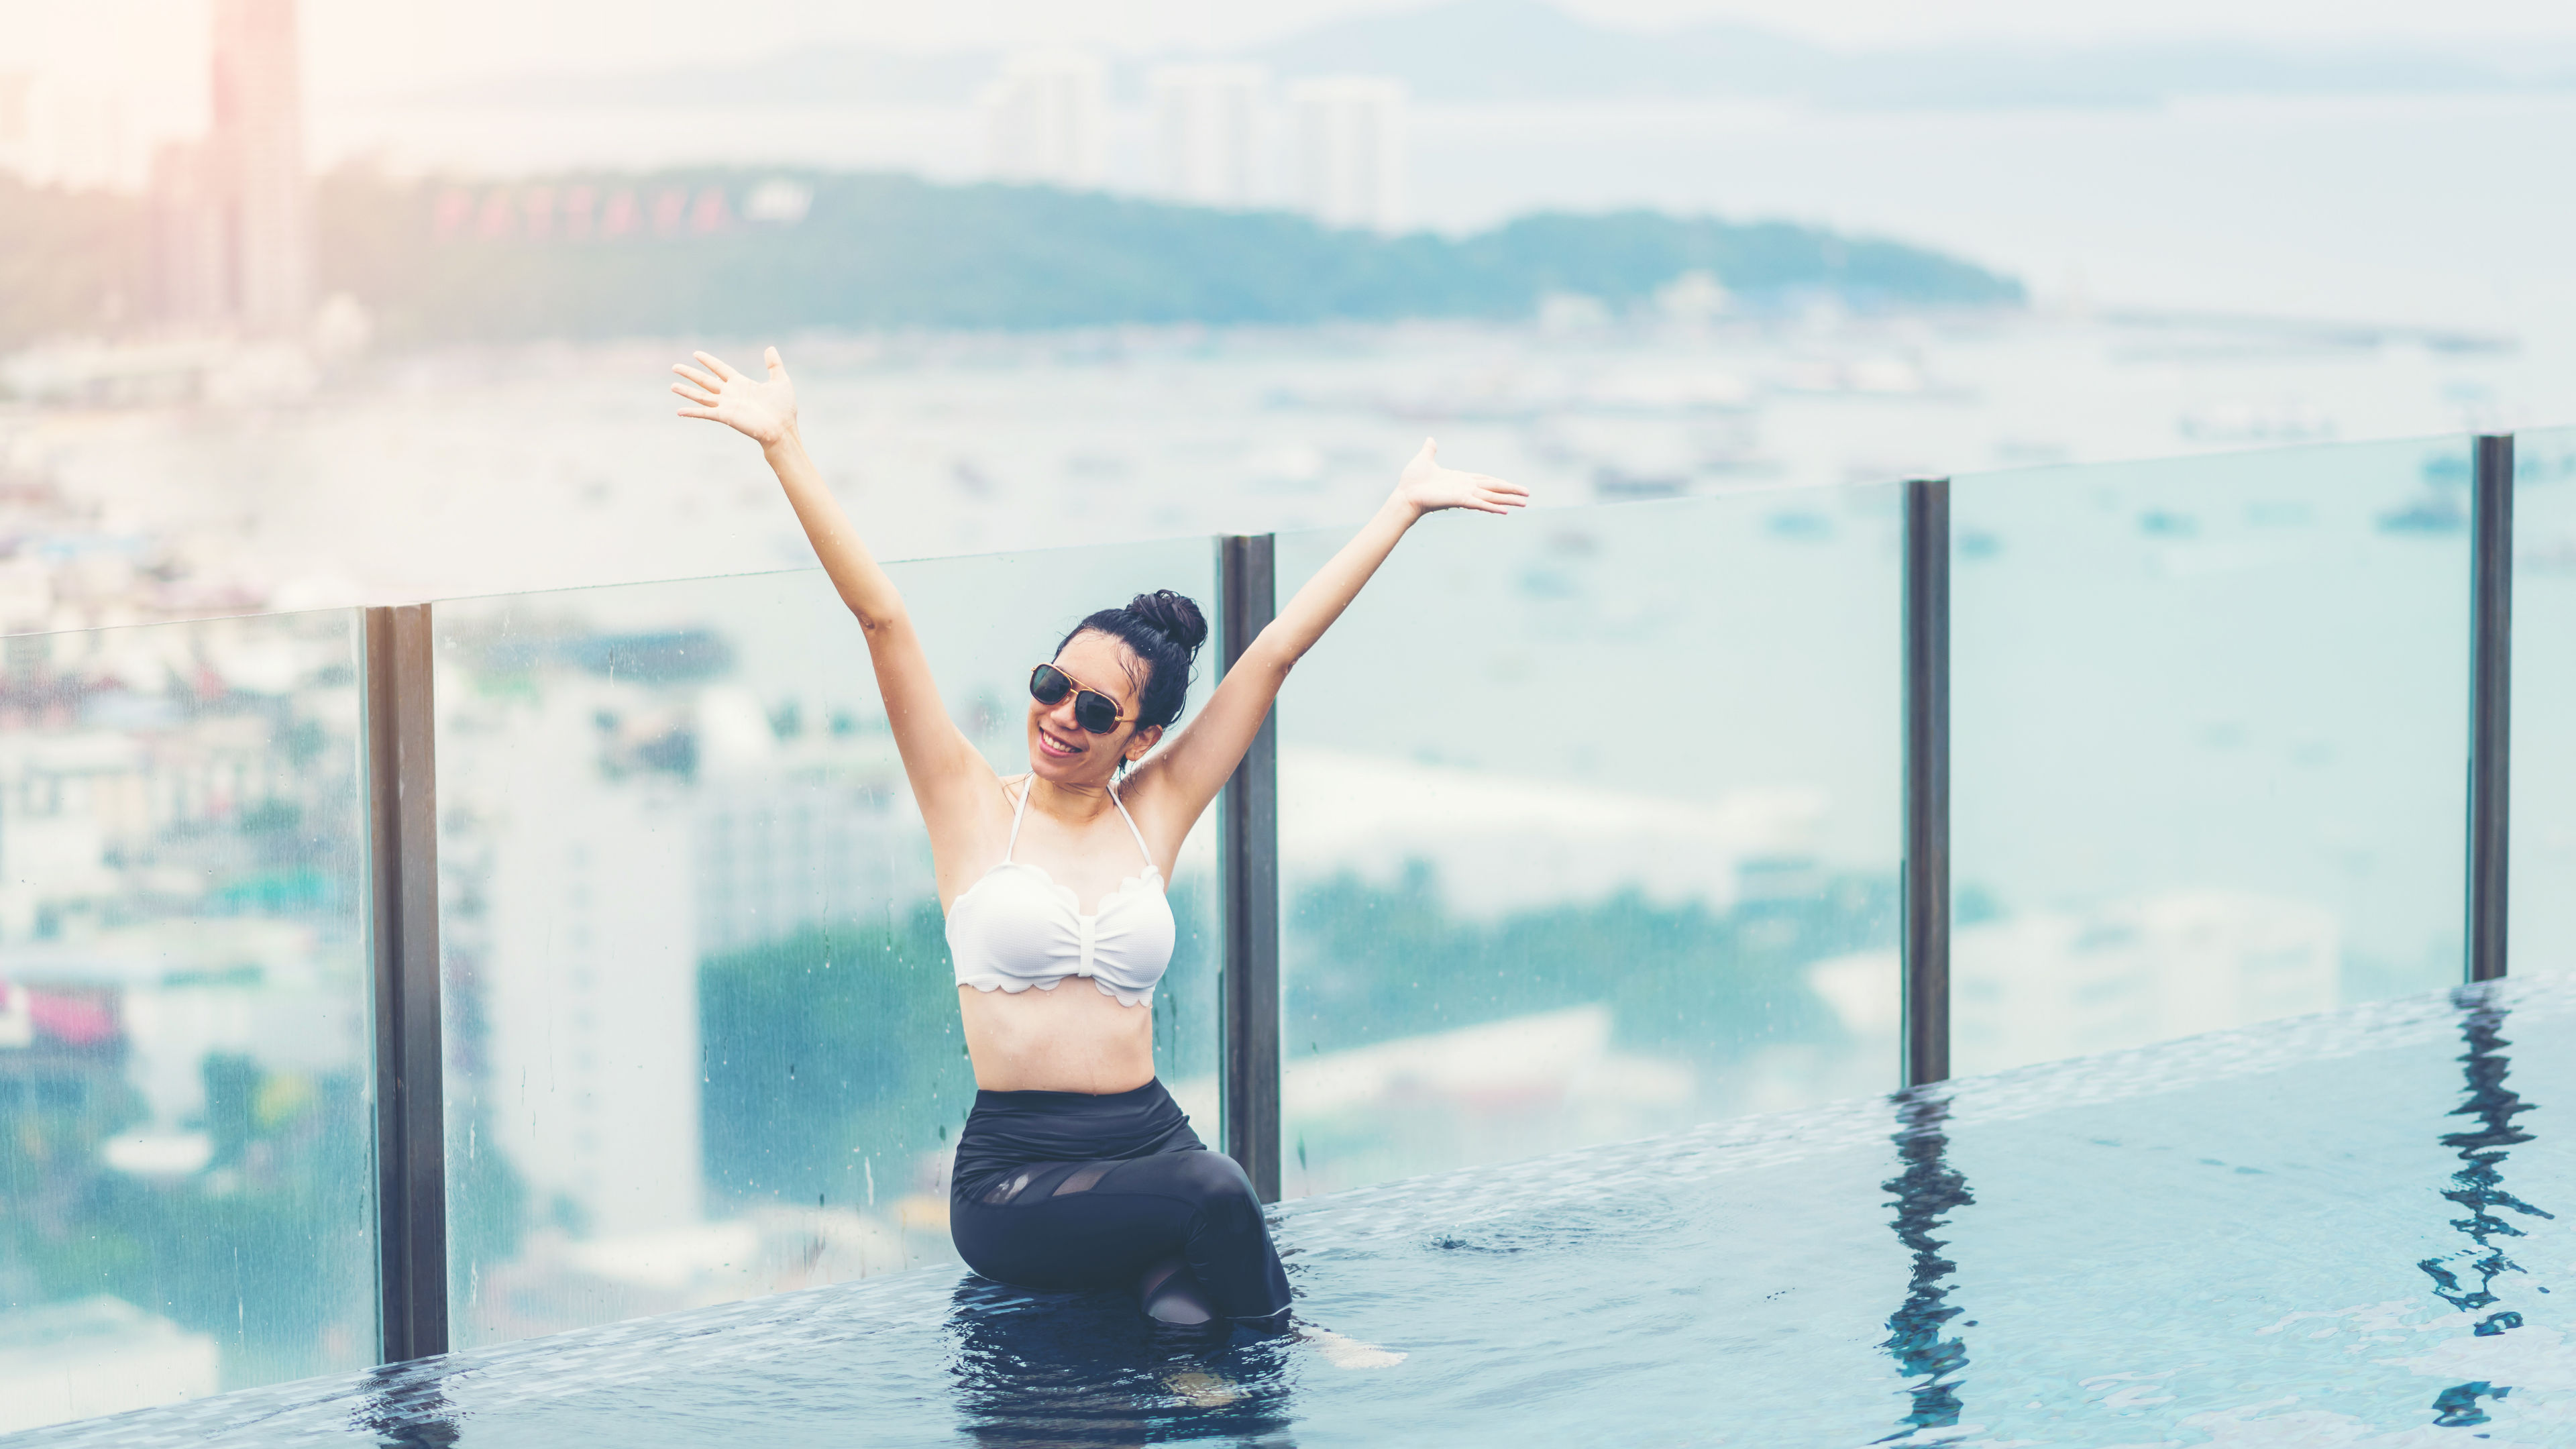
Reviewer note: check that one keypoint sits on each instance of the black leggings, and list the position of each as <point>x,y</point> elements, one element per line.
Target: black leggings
<point>1066,1191</point>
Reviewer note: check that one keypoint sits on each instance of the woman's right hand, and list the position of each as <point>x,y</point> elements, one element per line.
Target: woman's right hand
<point>1427,487</point>
<point>764,412</point>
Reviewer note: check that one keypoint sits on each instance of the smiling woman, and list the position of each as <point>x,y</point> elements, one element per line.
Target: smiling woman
<point>1076,1170</point>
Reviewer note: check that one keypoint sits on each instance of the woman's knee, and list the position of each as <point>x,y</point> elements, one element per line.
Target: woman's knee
<point>1217,1185</point>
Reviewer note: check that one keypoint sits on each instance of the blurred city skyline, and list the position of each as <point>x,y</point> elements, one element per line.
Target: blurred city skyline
<point>2287,160</point>
<point>368,47</point>
<point>147,57</point>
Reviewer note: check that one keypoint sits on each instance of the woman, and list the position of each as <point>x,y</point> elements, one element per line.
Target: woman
<point>1076,1170</point>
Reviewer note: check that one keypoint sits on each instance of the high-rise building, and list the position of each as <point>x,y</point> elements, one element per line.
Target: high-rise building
<point>256,144</point>
<point>191,238</point>
<point>585,951</point>
<point>1207,133</point>
<point>18,124</point>
<point>232,216</point>
<point>1046,119</point>
<point>779,853</point>
<point>1350,150</point>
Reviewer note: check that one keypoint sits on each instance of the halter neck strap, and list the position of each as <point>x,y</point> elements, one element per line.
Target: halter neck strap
<point>1131,825</point>
<point>1019,812</point>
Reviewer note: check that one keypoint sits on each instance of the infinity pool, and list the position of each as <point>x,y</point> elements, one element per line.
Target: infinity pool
<point>2343,1230</point>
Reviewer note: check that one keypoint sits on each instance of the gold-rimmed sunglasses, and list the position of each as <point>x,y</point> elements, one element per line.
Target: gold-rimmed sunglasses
<point>1097,713</point>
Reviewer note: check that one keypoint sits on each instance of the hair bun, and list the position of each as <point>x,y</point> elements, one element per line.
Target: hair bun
<point>1173,616</point>
<point>1164,630</point>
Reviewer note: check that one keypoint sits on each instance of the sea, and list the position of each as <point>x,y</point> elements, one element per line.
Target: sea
<point>2205,275</point>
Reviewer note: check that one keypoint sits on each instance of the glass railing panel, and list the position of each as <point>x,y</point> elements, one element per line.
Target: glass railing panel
<point>186,1202</point>
<point>2542,856</point>
<point>702,1036</point>
<point>2208,733</point>
<point>1589,830</point>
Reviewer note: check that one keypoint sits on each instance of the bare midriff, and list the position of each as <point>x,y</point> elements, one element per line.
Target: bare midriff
<point>1074,1038</point>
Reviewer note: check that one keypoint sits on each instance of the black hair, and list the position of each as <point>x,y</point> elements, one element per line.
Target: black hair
<point>1165,630</point>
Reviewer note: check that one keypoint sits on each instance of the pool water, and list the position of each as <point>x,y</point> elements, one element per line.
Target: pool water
<point>2353,1229</point>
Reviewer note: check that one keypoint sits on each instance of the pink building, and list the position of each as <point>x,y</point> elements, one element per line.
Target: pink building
<point>234,218</point>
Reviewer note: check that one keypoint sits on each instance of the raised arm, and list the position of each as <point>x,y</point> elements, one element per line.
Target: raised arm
<point>1186,775</point>
<point>946,771</point>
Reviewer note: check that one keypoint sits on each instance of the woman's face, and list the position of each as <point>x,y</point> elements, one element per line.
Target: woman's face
<point>1060,749</point>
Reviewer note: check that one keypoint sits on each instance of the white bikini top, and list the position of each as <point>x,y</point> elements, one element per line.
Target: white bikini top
<point>1016,928</point>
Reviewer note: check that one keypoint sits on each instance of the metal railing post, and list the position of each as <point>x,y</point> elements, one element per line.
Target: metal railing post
<point>2490,703</point>
<point>1248,865</point>
<point>402,927</point>
<point>1925,939</point>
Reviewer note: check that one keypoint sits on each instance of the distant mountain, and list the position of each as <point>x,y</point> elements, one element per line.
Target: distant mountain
<point>875,251</point>
<point>1488,51</point>
<point>1506,50</point>
<point>1498,50</point>
<point>811,75</point>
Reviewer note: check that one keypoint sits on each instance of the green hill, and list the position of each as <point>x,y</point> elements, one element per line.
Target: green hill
<point>451,262</point>
<point>886,251</point>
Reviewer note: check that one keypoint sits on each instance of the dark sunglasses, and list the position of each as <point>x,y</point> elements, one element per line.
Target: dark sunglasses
<point>1094,711</point>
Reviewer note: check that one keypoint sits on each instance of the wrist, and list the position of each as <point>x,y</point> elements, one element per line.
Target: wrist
<point>788,443</point>
<point>1401,510</point>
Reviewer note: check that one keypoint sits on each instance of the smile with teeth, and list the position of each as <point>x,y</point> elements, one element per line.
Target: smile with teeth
<point>1056,745</point>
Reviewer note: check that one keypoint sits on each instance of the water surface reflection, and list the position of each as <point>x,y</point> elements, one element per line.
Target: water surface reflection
<point>2479,1187</point>
<point>404,1406</point>
<point>1034,1369</point>
<point>1925,1192</point>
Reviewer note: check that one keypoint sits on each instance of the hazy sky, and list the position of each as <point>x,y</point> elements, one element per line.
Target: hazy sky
<point>156,46</point>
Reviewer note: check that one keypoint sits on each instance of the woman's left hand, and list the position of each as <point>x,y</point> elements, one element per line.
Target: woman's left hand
<point>1427,487</point>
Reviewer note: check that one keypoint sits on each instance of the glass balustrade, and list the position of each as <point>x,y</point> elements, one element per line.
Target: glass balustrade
<point>702,1036</point>
<point>2209,740</point>
<point>2541,930</point>
<point>1588,829</point>
<point>186,1048</point>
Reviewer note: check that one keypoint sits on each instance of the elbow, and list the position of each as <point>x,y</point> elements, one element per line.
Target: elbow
<point>1277,647</point>
<point>1268,656</point>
